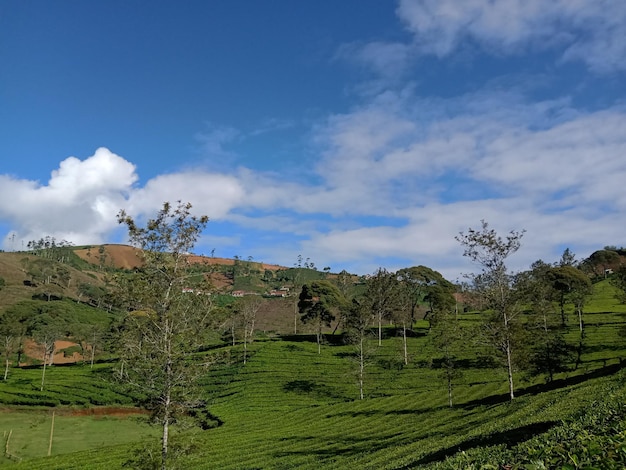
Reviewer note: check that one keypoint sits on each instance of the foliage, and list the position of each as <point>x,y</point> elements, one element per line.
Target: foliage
<point>382,295</point>
<point>447,336</point>
<point>494,285</point>
<point>357,320</point>
<point>424,284</point>
<point>592,437</point>
<point>571,285</point>
<point>318,303</point>
<point>168,322</point>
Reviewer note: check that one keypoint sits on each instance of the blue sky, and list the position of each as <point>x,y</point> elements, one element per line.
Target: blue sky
<point>357,133</point>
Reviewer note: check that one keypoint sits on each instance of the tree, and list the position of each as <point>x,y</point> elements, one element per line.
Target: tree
<point>424,284</point>
<point>296,286</point>
<point>247,309</point>
<point>319,301</point>
<point>549,353</point>
<point>572,285</point>
<point>89,337</point>
<point>382,294</point>
<point>404,316</point>
<point>600,261</point>
<point>343,281</point>
<point>170,314</point>
<point>357,320</point>
<point>13,328</point>
<point>567,258</point>
<point>46,332</point>
<point>494,285</point>
<point>445,334</point>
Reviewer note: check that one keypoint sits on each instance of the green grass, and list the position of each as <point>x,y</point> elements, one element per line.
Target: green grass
<point>270,424</point>
<point>604,299</point>
<point>30,433</point>
<point>76,385</point>
<point>290,407</point>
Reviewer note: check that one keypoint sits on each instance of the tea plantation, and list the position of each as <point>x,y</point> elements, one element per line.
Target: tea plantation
<point>290,407</point>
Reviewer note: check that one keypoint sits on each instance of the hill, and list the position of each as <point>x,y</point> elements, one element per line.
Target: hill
<point>127,257</point>
<point>71,282</point>
<point>19,284</point>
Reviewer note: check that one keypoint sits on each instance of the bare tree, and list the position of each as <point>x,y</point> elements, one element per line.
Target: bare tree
<point>247,309</point>
<point>47,335</point>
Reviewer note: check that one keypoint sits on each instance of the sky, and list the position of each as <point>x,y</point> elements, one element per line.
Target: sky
<point>356,133</point>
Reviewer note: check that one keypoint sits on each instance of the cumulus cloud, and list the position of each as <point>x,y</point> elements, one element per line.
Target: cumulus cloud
<point>592,32</point>
<point>213,194</point>
<point>78,203</point>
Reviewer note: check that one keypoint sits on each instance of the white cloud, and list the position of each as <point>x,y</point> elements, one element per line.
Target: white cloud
<point>387,58</point>
<point>213,140</point>
<point>213,194</point>
<point>78,204</point>
<point>593,32</point>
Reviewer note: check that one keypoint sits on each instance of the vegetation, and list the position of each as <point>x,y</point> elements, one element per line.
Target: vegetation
<point>407,380</point>
<point>494,286</point>
<point>168,316</point>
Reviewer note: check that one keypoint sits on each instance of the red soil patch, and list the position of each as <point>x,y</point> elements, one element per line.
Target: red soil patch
<point>119,256</point>
<point>128,257</point>
<point>35,351</point>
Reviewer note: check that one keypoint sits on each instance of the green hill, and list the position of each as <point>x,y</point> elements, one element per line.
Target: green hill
<point>289,407</point>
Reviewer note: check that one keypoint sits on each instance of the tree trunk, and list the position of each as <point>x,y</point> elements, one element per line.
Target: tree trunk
<point>245,342</point>
<point>580,319</point>
<point>295,318</point>
<point>93,353</point>
<point>509,365</point>
<point>43,373</point>
<point>164,442</point>
<point>6,369</point>
<point>406,353</point>
<point>380,329</point>
<point>319,341</point>
<point>361,367</point>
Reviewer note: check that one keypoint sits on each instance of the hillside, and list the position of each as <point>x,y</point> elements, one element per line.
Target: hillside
<point>127,257</point>
<point>73,283</point>
<point>18,285</point>
<point>293,404</point>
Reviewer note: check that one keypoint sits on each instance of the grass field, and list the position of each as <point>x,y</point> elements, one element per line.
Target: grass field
<point>290,407</point>
<point>26,434</point>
